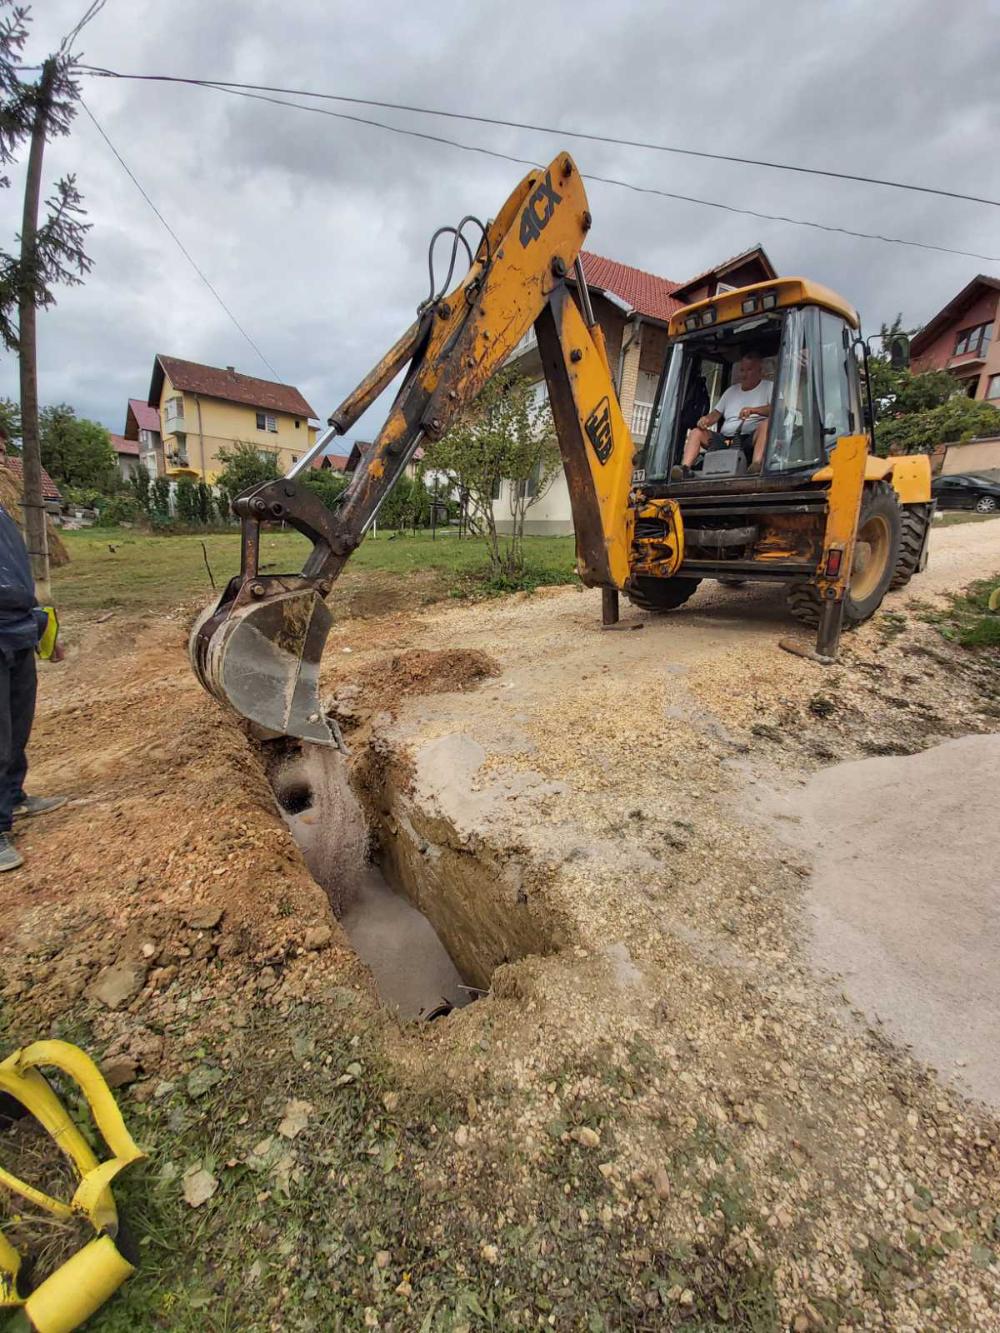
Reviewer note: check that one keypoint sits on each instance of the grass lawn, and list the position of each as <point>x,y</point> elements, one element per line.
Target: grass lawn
<point>116,568</point>
<point>951,517</point>
<point>972,617</point>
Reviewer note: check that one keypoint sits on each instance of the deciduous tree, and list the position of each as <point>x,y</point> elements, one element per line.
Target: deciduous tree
<point>75,450</point>
<point>245,465</point>
<point>505,445</point>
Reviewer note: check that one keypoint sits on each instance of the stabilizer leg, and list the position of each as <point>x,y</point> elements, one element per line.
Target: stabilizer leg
<point>831,621</point>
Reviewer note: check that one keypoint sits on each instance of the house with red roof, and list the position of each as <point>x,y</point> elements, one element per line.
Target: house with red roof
<point>142,425</point>
<point>127,453</point>
<point>964,339</point>
<point>633,308</point>
<point>335,462</point>
<point>204,410</point>
<point>51,495</point>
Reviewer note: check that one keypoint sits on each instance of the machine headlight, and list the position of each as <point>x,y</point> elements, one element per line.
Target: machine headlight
<point>749,305</point>
<point>708,316</point>
<point>769,300</point>
<point>691,323</point>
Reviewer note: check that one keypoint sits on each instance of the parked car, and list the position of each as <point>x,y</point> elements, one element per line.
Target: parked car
<point>967,490</point>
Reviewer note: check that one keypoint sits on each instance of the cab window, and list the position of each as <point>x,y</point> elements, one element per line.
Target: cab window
<point>795,439</point>
<point>840,416</point>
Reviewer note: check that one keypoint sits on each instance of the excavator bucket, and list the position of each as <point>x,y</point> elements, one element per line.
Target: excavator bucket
<point>262,659</point>
<point>258,648</point>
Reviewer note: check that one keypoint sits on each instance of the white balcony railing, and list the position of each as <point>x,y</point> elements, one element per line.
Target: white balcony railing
<point>641,413</point>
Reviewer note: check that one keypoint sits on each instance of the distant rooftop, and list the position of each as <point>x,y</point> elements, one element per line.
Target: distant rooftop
<point>226,383</point>
<point>651,295</point>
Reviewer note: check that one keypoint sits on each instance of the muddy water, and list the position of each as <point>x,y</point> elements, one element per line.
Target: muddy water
<point>412,969</point>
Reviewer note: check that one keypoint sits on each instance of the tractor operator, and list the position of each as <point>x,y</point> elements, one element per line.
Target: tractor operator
<point>743,410</point>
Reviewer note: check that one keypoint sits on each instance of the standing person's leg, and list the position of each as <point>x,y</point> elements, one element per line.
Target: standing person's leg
<point>23,695</point>
<point>6,745</point>
<point>10,858</point>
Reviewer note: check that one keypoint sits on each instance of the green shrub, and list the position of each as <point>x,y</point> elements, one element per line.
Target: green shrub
<point>329,486</point>
<point>186,501</point>
<point>118,509</point>
<point>206,506</point>
<point>159,500</point>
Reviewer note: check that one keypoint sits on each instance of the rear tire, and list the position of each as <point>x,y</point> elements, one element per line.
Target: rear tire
<point>914,522</point>
<point>879,531</point>
<point>986,505</point>
<point>657,595</point>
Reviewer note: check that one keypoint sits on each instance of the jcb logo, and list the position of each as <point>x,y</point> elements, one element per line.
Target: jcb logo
<point>598,428</point>
<point>538,210</point>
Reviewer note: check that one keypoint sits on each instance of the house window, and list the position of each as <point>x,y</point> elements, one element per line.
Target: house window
<point>144,436</point>
<point>174,409</point>
<point>496,488</point>
<point>975,340</point>
<point>265,421</point>
<point>527,487</point>
<point>295,458</point>
<point>993,387</point>
<point>298,423</point>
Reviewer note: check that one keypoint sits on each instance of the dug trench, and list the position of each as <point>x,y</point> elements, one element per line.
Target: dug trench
<point>398,907</point>
<point>661,1115</point>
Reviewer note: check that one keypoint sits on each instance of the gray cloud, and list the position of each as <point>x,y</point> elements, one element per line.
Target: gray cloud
<point>314,230</point>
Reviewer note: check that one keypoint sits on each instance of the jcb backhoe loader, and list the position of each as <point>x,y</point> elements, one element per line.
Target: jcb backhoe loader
<point>835,524</point>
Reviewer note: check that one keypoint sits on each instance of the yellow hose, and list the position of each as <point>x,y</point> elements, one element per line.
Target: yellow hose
<point>73,1292</point>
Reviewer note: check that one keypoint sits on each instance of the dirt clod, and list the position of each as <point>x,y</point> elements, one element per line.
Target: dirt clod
<point>115,986</point>
<point>204,918</point>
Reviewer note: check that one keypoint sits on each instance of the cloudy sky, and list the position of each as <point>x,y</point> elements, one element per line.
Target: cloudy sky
<point>314,230</point>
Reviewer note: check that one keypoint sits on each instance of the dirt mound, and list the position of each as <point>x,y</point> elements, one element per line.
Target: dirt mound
<point>10,498</point>
<point>424,671</point>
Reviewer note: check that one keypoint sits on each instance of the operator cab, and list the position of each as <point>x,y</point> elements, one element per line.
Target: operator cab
<point>804,335</point>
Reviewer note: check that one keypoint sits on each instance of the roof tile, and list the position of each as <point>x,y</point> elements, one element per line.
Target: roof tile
<point>234,387</point>
<point>644,292</point>
<point>50,491</point>
<point>146,417</point>
<point>123,446</point>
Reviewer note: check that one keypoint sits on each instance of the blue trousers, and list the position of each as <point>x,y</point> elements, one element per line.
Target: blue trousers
<point>18,688</point>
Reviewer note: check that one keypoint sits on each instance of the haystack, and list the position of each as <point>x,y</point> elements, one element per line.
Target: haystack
<point>10,498</point>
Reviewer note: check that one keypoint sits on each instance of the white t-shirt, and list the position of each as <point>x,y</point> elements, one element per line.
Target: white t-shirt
<point>735,398</point>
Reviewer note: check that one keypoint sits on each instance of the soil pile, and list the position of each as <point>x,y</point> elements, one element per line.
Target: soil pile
<point>416,671</point>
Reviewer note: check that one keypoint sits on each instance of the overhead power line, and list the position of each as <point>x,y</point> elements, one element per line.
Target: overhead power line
<point>91,12</point>
<point>603,180</point>
<point>558,130</point>
<point>176,239</point>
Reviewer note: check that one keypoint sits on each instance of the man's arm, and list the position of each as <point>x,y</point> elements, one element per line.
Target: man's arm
<point>717,413</point>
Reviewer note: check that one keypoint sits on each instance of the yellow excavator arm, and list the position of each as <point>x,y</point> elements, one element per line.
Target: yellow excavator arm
<point>258,648</point>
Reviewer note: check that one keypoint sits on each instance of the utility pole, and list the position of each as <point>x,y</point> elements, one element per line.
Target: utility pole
<point>35,530</point>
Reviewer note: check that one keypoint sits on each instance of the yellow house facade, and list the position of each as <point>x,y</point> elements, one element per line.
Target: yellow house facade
<point>207,409</point>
